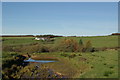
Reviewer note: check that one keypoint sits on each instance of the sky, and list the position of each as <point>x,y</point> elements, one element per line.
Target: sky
<point>60,18</point>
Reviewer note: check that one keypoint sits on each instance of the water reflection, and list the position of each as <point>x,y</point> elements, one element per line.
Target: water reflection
<point>41,61</point>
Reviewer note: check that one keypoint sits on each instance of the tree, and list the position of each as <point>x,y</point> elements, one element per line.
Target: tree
<point>80,42</point>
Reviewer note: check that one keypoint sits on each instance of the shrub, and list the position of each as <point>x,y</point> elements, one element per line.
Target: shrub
<point>81,42</point>
<point>11,66</point>
<point>88,47</point>
<point>72,55</point>
<point>79,54</point>
<point>81,45</point>
<point>68,45</point>
<point>43,49</point>
<point>111,67</point>
<point>63,54</point>
<point>107,73</point>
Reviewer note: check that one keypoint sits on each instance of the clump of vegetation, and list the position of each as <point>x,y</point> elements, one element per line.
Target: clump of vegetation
<point>71,45</point>
<point>81,45</point>
<point>88,47</point>
<point>12,66</point>
<point>63,54</point>
<point>111,67</point>
<point>72,55</point>
<point>105,63</point>
<point>68,45</point>
<point>107,73</point>
<point>79,54</point>
<point>38,72</point>
<point>92,67</point>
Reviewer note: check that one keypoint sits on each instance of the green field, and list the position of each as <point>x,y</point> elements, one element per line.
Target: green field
<point>97,64</point>
<point>97,41</point>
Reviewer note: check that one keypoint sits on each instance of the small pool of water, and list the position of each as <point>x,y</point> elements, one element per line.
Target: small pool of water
<point>41,61</point>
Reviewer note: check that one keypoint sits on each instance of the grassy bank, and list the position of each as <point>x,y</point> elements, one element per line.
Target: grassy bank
<point>84,65</point>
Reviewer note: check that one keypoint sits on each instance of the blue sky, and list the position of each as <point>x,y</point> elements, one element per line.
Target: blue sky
<point>60,18</point>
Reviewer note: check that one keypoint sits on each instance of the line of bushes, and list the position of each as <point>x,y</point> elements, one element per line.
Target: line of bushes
<point>64,45</point>
<point>71,45</point>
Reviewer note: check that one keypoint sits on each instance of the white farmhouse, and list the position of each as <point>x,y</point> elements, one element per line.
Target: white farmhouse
<point>37,38</point>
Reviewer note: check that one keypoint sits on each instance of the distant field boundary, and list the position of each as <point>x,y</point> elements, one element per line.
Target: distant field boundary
<point>18,36</point>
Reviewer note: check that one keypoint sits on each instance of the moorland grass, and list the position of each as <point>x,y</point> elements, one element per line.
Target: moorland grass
<point>85,65</point>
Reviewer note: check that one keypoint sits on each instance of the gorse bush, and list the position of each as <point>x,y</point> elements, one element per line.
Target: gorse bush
<point>88,47</point>
<point>68,45</point>
<point>11,66</point>
<point>71,45</point>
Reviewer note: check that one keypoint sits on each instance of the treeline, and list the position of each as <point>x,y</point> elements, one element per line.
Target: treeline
<point>115,34</point>
<point>17,35</point>
<point>51,36</point>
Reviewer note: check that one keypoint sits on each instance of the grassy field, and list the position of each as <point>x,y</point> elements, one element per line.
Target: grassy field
<point>85,65</point>
<point>97,41</point>
<point>99,64</point>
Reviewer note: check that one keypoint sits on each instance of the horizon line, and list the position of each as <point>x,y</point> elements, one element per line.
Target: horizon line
<point>53,34</point>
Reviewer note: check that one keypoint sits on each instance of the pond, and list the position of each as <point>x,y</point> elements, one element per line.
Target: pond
<point>40,61</point>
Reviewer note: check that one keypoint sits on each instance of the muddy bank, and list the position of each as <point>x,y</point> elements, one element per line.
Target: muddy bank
<point>42,57</point>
